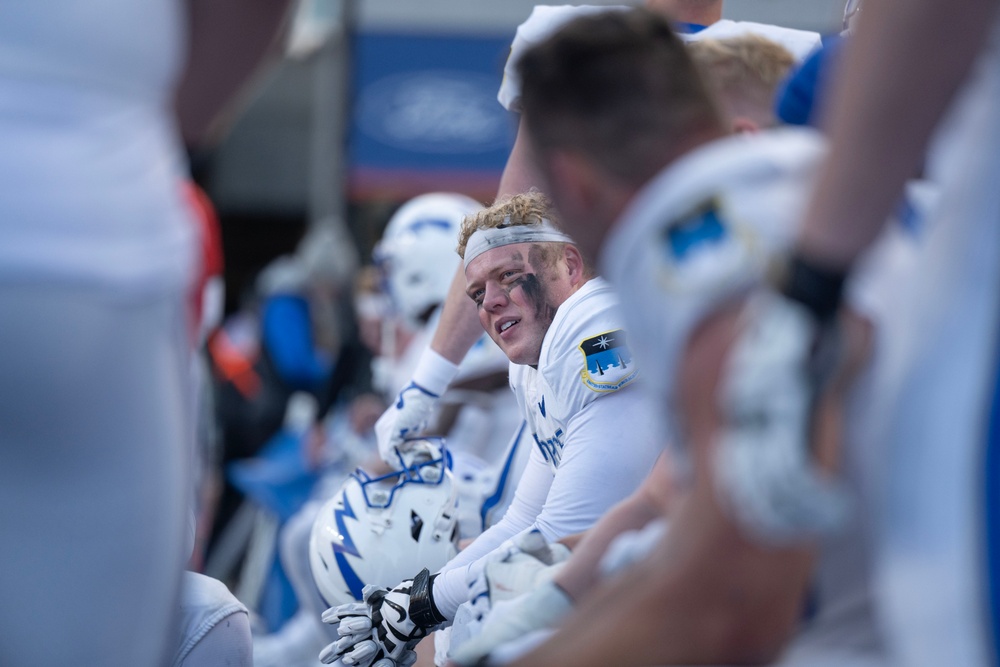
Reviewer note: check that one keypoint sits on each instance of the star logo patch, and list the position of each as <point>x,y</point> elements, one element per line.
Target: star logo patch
<point>608,362</point>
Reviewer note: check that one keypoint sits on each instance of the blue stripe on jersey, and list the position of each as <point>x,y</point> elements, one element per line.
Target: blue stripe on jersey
<point>688,28</point>
<point>908,216</point>
<point>494,500</point>
<point>992,517</point>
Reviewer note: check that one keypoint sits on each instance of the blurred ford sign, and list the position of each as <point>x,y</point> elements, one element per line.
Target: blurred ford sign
<point>434,112</point>
<point>426,115</point>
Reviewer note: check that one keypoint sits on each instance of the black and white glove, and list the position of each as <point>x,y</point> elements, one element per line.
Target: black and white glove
<point>787,351</point>
<point>383,630</point>
<point>410,414</point>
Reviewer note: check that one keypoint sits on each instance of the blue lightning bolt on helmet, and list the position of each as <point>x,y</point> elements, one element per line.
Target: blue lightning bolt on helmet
<point>381,530</point>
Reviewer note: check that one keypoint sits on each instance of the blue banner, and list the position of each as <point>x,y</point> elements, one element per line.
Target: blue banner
<point>426,115</point>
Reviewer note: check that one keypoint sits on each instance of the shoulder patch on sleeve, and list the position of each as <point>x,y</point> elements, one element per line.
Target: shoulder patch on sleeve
<point>703,248</point>
<point>608,362</point>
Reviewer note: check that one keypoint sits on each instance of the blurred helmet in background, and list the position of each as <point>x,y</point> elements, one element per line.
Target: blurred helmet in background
<point>417,251</point>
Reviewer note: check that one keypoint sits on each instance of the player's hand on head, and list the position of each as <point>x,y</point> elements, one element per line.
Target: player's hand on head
<point>786,353</point>
<point>410,412</point>
<point>382,630</point>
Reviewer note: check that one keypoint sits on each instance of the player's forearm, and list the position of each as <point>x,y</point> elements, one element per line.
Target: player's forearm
<point>459,327</point>
<point>228,40</point>
<point>581,572</point>
<point>519,174</point>
<point>900,73</point>
<point>713,599</point>
<point>529,498</point>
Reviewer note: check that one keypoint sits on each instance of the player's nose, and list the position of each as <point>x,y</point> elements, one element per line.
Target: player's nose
<point>495,297</point>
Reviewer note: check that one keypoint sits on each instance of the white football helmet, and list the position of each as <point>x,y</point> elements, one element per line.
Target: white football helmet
<point>417,251</point>
<point>385,529</point>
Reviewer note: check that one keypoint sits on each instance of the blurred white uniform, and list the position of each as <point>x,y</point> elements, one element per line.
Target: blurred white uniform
<point>588,454</point>
<point>215,626</point>
<point>544,20</point>
<point>800,43</point>
<point>698,234</point>
<point>96,252</point>
<point>939,570</point>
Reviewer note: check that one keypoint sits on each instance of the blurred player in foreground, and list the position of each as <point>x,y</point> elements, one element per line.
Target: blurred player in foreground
<point>897,104</point>
<point>97,253</point>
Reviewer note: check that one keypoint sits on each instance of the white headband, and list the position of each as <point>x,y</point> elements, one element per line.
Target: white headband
<point>506,234</point>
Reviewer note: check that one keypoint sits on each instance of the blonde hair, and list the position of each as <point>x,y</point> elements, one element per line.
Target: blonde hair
<point>525,209</point>
<point>743,72</point>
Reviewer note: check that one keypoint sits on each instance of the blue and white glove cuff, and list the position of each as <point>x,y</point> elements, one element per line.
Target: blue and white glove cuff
<point>434,373</point>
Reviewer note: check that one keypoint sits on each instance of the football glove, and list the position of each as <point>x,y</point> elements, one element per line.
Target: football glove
<point>382,630</point>
<point>410,414</point>
<point>523,565</point>
<point>543,607</point>
<point>520,567</point>
<point>632,546</point>
<point>787,350</point>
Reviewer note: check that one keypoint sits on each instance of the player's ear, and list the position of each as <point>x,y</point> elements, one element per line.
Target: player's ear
<point>575,264</point>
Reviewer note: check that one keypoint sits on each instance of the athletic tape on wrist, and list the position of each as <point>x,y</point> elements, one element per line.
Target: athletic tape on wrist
<point>817,288</point>
<point>434,372</point>
<point>422,610</point>
<point>496,237</point>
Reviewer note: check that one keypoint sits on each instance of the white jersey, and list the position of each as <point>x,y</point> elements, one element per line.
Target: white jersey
<point>722,197</point>
<point>800,43</point>
<point>593,433</point>
<point>700,233</point>
<point>939,549</point>
<point>584,355</point>
<point>545,20</point>
<point>488,462</point>
<point>91,166</point>
<point>205,602</point>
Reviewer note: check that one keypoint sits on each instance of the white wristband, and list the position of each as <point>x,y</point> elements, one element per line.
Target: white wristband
<point>434,373</point>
